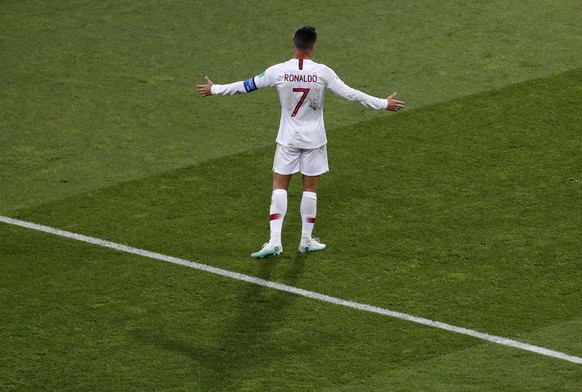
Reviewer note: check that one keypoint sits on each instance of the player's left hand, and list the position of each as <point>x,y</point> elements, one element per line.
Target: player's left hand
<point>205,89</point>
<point>393,104</point>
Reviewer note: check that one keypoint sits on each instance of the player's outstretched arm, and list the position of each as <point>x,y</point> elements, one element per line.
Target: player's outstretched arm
<point>205,89</point>
<point>393,104</point>
<point>343,90</point>
<point>241,87</point>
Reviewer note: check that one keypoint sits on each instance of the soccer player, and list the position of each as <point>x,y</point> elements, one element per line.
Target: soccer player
<point>301,141</point>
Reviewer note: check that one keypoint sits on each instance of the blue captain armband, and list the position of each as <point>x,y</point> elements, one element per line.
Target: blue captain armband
<point>250,85</point>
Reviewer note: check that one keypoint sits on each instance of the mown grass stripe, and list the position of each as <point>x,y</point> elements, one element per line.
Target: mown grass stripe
<point>294,290</point>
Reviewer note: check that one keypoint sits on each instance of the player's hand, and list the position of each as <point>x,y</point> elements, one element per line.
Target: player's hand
<point>205,89</point>
<point>393,104</point>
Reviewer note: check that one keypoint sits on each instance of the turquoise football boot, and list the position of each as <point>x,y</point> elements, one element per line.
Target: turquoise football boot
<point>268,250</point>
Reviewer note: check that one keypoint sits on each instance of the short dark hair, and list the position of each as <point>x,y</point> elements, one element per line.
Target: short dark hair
<point>305,38</point>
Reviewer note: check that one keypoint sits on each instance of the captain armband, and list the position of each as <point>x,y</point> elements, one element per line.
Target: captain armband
<point>250,85</point>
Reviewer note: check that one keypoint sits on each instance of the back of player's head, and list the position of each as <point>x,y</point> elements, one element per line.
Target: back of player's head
<point>305,38</point>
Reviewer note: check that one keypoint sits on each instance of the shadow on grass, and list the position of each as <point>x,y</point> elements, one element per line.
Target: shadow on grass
<point>246,342</point>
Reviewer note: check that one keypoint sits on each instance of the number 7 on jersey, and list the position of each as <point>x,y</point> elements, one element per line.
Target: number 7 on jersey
<point>304,91</point>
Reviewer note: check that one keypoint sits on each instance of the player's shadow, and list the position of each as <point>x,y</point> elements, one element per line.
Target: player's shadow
<point>246,343</point>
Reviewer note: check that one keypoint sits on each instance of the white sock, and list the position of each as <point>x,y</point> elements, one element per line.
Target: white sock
<point>277,213</point>
<point>308,213</point>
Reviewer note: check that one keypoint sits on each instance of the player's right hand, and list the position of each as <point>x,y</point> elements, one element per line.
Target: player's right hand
<point>205,89</point>
<point>393,104</point>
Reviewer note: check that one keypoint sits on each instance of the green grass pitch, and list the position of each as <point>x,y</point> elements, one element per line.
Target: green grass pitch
<point>464,208</point>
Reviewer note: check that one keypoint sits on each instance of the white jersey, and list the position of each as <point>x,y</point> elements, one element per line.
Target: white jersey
<point>301,84</point>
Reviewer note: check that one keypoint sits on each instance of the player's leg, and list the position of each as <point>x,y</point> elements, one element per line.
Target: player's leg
<point>313,165</point>
<point>278,206</point>
<point>286,163</point>
<point>281,181</point>
<point>308,207</point>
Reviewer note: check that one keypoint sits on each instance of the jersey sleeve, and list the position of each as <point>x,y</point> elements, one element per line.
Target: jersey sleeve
<point>267,78</point>
<point>338,87</point>
<point>228,89</point>
<point>264,79</point>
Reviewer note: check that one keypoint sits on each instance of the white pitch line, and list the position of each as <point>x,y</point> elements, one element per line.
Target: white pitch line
<point>294,290</point>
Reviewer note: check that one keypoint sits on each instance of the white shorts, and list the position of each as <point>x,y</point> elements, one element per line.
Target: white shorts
<point>310,162</point>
